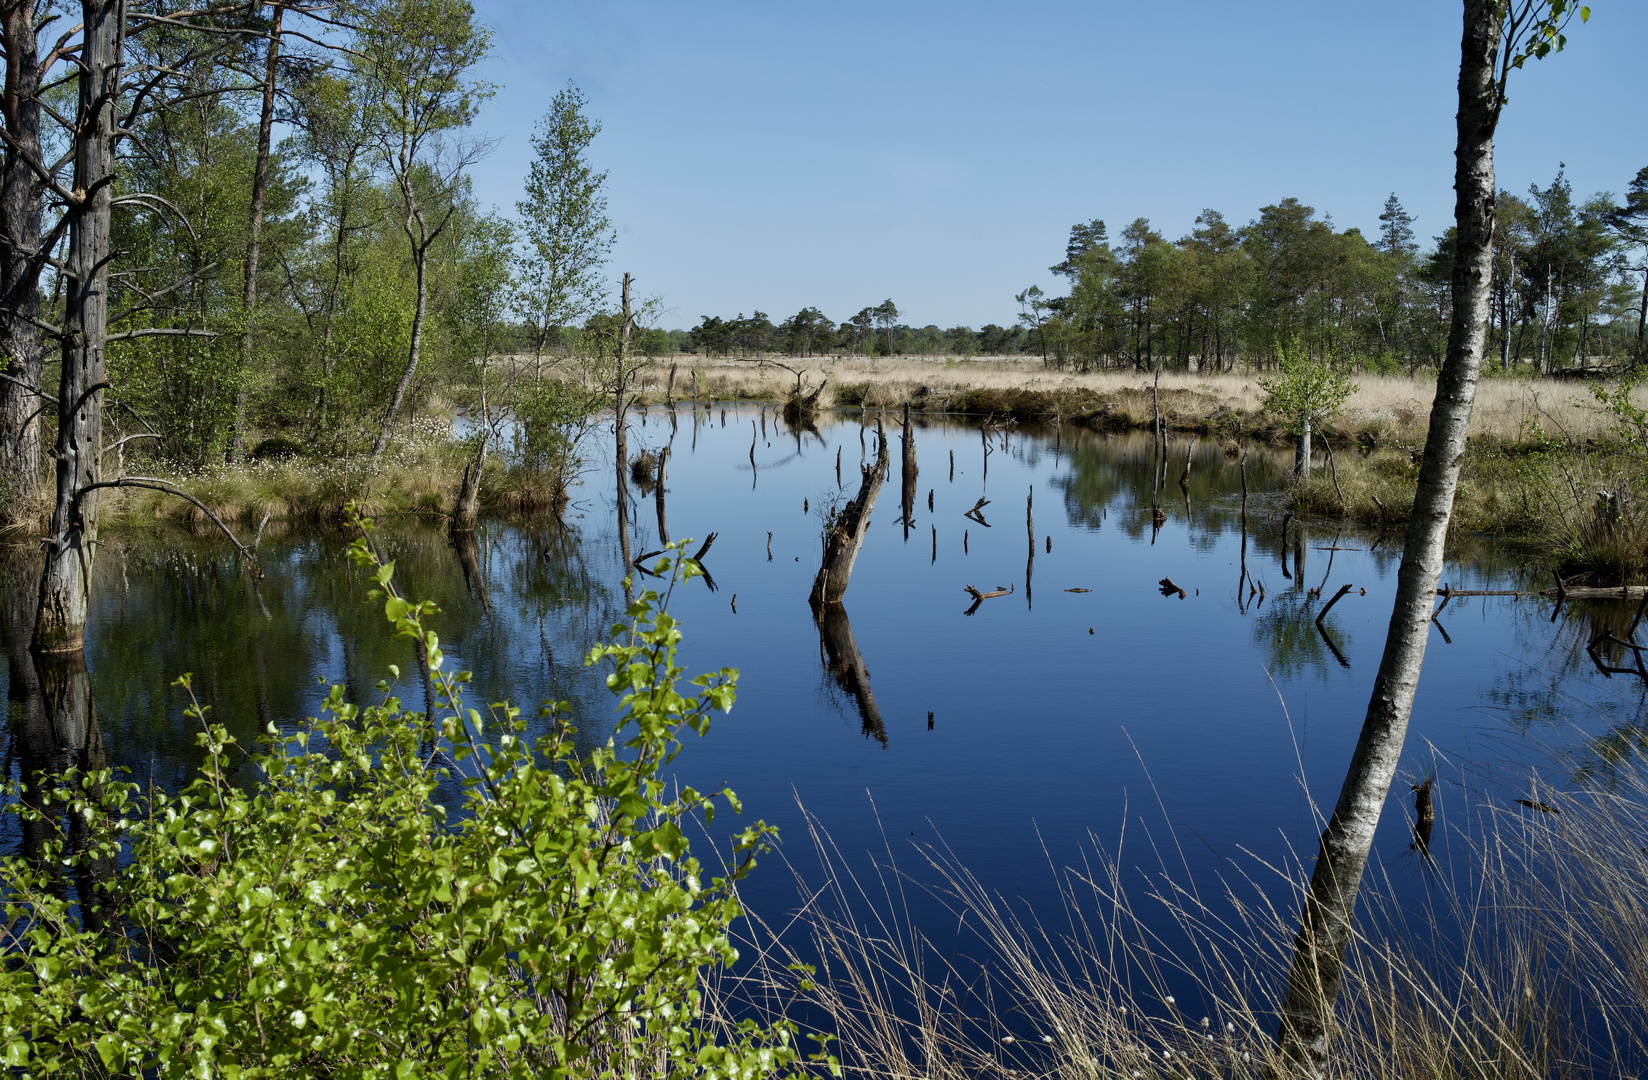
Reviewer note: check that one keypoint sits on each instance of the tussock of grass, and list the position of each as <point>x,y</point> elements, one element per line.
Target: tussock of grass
<point>1559,499</point>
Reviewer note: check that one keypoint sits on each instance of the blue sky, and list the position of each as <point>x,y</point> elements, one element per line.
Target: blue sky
<point>770,156</point>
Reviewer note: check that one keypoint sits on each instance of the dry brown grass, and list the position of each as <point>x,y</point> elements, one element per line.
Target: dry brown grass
<point>1395,409</point>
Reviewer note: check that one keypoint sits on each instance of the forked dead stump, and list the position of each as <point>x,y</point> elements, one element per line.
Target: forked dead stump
<point>844,536</point>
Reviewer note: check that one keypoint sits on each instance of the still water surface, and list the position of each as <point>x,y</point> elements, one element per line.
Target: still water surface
<point>1015,733</point>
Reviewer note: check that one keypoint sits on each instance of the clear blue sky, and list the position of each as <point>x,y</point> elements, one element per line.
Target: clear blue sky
<point>774,155</point>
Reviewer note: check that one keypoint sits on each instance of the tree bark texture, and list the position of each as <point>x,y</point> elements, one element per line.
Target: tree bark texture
<point>60,622</point>
<point>846,534</point>
<point>1326,922</point>
<point>254,240</point>
<point>20,214</point>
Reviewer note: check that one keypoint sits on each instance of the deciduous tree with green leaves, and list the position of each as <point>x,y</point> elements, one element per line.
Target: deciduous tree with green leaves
<point>564,220</point>
<point>333,917</point>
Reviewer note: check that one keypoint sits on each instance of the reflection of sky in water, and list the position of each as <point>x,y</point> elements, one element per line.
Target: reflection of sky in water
<point>1056,714</point>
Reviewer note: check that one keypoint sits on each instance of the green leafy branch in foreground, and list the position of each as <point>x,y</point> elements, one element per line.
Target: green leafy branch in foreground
<point>329,918</point>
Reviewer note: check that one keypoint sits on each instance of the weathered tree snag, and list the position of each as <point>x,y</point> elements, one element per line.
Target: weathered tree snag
<point>21,259</point>
<point>846,665</point>
<point>1326,922</point>
<point>60,621</point>
<point>907,473</point>
<point>844,536</point>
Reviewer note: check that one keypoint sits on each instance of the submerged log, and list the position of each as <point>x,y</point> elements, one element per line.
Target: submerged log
<point>844,536</point>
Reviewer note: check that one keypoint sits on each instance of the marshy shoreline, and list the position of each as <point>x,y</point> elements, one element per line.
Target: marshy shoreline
<point>1547,467</point>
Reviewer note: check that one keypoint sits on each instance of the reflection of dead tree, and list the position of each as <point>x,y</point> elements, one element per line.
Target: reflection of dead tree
<point>1629,641</point>
<point>846,665</point>
<point>907,473</point>
<point>844,532</point>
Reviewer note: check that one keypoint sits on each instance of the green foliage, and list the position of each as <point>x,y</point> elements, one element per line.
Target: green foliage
<point>316,910</point>
<point>1630,419</point>
<point>1304,387</point>
<point>554,416</point>
<point>564,215</point>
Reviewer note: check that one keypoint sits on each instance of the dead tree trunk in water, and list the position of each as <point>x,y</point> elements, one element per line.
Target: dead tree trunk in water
<point>21,259</point>
<point>1326,921</point>
<point>845,535</point>
<point>60,622</point>
<point>907,472</point>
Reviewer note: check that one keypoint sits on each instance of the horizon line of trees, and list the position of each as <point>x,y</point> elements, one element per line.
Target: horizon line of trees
<point>1570,287</point>
<point>1565,289</point>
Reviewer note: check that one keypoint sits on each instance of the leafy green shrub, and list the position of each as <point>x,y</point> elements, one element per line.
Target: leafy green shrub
<point>555,415</point>
<point>322,914</point>
<point>1304,389</point>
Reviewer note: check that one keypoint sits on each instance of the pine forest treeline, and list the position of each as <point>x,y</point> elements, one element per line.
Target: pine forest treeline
<point>1570,287</point>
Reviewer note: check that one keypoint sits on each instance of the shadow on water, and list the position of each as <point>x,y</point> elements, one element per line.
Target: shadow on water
<point>52,720</point>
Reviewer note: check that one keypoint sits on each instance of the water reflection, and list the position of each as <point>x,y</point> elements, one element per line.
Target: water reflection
<point>53,727</point>
<point>845,665</point>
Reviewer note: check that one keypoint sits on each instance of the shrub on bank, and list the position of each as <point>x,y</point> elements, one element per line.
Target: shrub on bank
<point>316,910</point>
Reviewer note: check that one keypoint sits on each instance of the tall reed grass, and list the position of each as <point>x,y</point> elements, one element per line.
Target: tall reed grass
<point>1534,964</point>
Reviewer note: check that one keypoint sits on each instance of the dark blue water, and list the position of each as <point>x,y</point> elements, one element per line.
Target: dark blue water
<point>1017,733</point>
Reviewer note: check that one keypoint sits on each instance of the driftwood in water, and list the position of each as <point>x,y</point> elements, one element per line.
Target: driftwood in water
<point>846,665</point>
<point>1560,591</point>
<point>1168,588</point>
<point>844,535</point>
<point>975,514</point>
<point>981,597</point>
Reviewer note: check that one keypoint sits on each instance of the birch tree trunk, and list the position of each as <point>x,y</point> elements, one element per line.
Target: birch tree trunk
<point>20,212</point>
<point>254,242</point>
<point>1326,922</point>
<point>60,622</point>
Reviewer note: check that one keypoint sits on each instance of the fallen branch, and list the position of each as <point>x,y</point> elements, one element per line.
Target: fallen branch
<point>250,554</point>
<point>992,594</point>
<point>1169,588</point>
